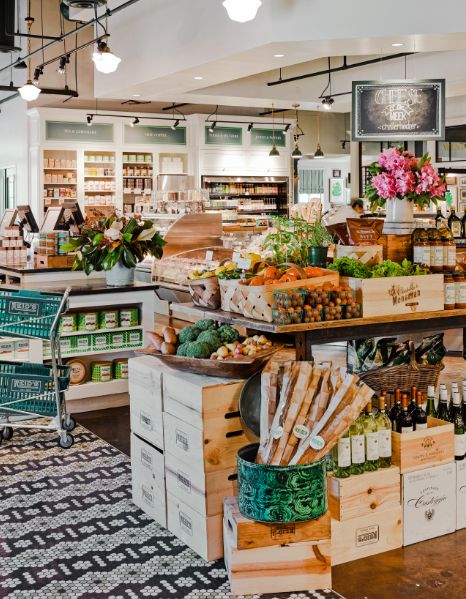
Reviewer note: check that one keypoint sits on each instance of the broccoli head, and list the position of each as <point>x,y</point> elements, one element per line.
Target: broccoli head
<point>212,339</point>
<point>198,349</point>
<point>205,325</point>
<point>188,334</point>
<point>228,334</point>
<point>181,351</point>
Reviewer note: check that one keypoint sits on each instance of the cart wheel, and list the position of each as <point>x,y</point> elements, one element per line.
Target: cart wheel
<point>69,423</point>
<point>65,441</point>
<point>7,433</point>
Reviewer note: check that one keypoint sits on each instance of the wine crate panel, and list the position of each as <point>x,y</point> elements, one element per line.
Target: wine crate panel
<point>424,448</point>
<point>367,254</point>
<point>249,534</point>
<point>359,495</point>
<point>429,503</point>
<point>145,394</point>
<point>284,568</point>
<point>366,535</point>
<point>461,494</point>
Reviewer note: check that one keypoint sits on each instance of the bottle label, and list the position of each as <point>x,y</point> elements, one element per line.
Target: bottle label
<point>421,426</point>
<point>462,292</point>
<point>344,453</point>
<point>451,256</point>
<point>418,254</point>
<point>372,446</point>
<point>460,445</point>
<point>357,449</point>
<point>385,443</point>
<point>436,255</point>
<point>450,293</point>
<point>456,228</point>
<point>426,255</point>
<point>407,429</point>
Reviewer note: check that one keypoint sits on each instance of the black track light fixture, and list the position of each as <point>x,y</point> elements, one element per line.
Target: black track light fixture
<point>64,60</point>
<point>175,124</point>
<point>21,65</point>
<point>286,129</point>
<point>135,122</point>
<point>250,126</point>
<point>212,126</point>
<point>38,71</point>
<point>327,102</point>
<point>89,119</point>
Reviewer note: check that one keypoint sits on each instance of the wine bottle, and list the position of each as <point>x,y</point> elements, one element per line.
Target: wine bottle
<point>455,225</point>
<point>463,386</point>
<point>460,432</point>
<point>440,221</point>
<point>454,389</point>
<point>420,416</point>
<point>384,429</point>
<point>442,412</point>
<point>342,456</point>
<point>356,432</point>
<point>396,409</point>
<point>463,224</point>
<point>371,440</point>
<point>404,421</point>
<point>412,404</point>
<point>430,410</point>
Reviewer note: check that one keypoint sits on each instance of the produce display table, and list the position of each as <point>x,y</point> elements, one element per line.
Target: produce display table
<point>308,334</point>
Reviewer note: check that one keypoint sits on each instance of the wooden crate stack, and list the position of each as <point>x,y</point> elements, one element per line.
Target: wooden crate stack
<point>366,514</point>
<point>275,558</point>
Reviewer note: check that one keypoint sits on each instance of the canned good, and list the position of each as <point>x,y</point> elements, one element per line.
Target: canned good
<point>118,340</point>
<point>129,317</point>
<point>108,319</point>
<point>68,323</point>
<point>83,343</point>
<point>101,341</point>
<point>134,338</point>
<point>87,321</point>
<point>78,373</point>
<point>120,368</point>
<point>101,372</point>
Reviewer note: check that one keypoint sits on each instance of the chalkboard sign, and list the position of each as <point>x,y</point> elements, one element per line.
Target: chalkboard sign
<point>224,136</point>
<point>266,137</point>
<point>71,131</point>
<point>399,110</point>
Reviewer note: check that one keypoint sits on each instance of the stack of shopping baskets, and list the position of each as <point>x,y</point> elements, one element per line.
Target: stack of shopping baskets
<point>34,391</point>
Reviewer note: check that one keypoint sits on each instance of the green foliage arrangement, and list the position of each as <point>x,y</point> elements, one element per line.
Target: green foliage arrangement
<point>350,267</point>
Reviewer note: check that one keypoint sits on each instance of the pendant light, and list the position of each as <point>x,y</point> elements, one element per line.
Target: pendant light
<point>242,11</point>
<point>29,91</point>
<point>298,132</point>
<point>104,59</point>
<point>319,153</point>
<point>273,151</point>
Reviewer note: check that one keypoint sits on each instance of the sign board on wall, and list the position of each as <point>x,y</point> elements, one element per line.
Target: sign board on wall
<point>146,134</point>
<point>224,136</point>
<point>266,137</point>
<point>70,131</point>
<point>399,110</point>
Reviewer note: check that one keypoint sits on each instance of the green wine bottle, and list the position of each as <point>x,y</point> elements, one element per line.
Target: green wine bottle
<point>342,456</point>
<point>384,429</point>
<point>371,440</point>
<point>430,410</point>
<point>356,432</point>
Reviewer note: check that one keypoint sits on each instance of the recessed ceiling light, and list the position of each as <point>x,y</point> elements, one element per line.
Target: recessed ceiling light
<point>198,78</point>
<point>278,55</point>
<point>397,44</point>
<point>136,95</point>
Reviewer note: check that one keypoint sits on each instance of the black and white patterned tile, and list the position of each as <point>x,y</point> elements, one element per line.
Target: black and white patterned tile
<point>69,530</point>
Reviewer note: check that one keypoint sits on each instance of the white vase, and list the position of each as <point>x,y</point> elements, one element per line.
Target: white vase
<point>119,276</point>
<point>399,219</point>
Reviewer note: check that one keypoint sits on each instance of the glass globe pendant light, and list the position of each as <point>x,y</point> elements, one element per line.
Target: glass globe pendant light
<point>29,91</point>
<point>242,11</point>
<point>104,59</point>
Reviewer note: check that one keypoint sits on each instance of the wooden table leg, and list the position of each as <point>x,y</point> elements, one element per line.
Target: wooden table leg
<point>464,344</point>
<point>303,345</point>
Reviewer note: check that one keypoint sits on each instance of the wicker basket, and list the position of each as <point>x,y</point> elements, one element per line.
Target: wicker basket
<point>231,296</point>
<point>403,376</point>
<point>205,293</point>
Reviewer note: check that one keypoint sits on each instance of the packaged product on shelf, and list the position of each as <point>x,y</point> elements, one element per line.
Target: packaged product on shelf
<point>88,321</point>
<point>120,368</point>
<point>134,338</point>
<point>108,319</point>
<point>83,343</point>
<point>119,339</point>
<point>129,317</point>
<point>101,372</point>
<point>68,323</point>
<point>101,341</point>
<point>79,372</point>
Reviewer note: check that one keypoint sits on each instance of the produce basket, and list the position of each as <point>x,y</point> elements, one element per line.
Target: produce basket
<point>205,293</point>
<point>231,296</point>
<point>403,376</point>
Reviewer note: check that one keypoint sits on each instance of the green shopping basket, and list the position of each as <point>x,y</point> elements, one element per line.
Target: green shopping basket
<point>30,389</point>
<point>35,314</point>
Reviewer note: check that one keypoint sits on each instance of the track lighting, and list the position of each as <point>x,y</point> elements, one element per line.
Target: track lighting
<point>250,126</point>
<point>135,122</point>
<point>327,102</point>
<point>212,126</point>
<point>64,60</point>
<point>285,130</point>
<point>89,119</point>
<point>175,124</point>
<point>21,65</point>
<point>29,92</point>
<point>105,61</point>
<point>242,10</point>
<point>38,71</point>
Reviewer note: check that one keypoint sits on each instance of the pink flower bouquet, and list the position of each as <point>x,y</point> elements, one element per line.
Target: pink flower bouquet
<point>399,174</point>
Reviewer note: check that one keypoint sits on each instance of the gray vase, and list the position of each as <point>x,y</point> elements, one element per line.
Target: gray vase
<point>119,276</point>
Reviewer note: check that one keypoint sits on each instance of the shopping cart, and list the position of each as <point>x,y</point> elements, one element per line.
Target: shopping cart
<point>31,391</point>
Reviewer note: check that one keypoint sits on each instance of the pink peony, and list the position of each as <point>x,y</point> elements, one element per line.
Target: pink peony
<point>385,185</point>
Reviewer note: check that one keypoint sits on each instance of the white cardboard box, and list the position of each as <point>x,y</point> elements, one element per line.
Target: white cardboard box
<point>148,479</point>
<point>146,404</point>
<point>429,503</point>
<point>461,494</point>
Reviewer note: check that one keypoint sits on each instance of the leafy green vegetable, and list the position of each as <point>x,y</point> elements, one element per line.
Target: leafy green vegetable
<point>198,349</point>
<point>212,338</point>
<point>205,325</point>
<point>188,334</point>
<point>350,267</point>
<point>228,334</point>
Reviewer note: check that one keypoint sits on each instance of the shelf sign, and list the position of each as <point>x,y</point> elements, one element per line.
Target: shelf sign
<point>266,137</point>
<point>158,135</point>
<point>224,136</point>
<point>399,110</point>
<point>70,131</point>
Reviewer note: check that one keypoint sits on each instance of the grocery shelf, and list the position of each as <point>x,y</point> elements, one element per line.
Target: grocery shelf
<point>139,163</point>
<point>90,389</point>
<point>99,176</point>
<point>96,352</point>
<point>61,183</point>
<point>100,331</point>
<point>59,168</point>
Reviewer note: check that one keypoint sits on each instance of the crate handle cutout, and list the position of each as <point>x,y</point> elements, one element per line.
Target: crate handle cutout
<point>232,415</point>
<point>233,476</point>
<point>234,434</point>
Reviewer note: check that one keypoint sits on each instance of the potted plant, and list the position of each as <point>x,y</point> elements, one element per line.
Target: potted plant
<point>399,181</point>
<point>115,245</point>
<point>319,240</point>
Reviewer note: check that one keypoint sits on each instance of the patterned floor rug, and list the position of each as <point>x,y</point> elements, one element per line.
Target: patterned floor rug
<point>69,530</point>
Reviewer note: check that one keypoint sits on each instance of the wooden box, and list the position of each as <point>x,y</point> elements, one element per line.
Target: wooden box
<point>367,254</point>
<point>43,261</point>
<point>277,569</point>
<point>461,494</point>
<point>148,479</point>
<point>203,535</point>
<point>391,296</point>
<point>145,395</point>
<point>363,494</point>
<point>203,492</point>
<point>429,503</point>
<point>249,534</point>
<point>231,296</point>
<point>424,448</point>
<point>366,535</point>
<point>397,247</point>
<point>202,423</point>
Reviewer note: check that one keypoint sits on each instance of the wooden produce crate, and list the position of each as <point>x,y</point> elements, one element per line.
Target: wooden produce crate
<point>203,535</point>
<point>43,261</point>
<point>432,446</point>
<point>202,423</point>
<point>460,494</point>
<point>145,392</point>
<point>360,495</point>
<point>367,254</point>
<point>249,534</point>
<point>203,492</point>
<point>231,296</point>
<point>258,301</point>
<point>391,296</point>
<point>287,568</point>
<point>367,535</point>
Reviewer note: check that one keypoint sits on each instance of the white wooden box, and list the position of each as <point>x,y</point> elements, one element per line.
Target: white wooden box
<point>429,503</point>
<point>148,479</point>
<point>145,393</point>
<point>203,535</point>
<point>367,254</point>
<point>398,295</point>
<point>461,494</point>
<point>203,492</point>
